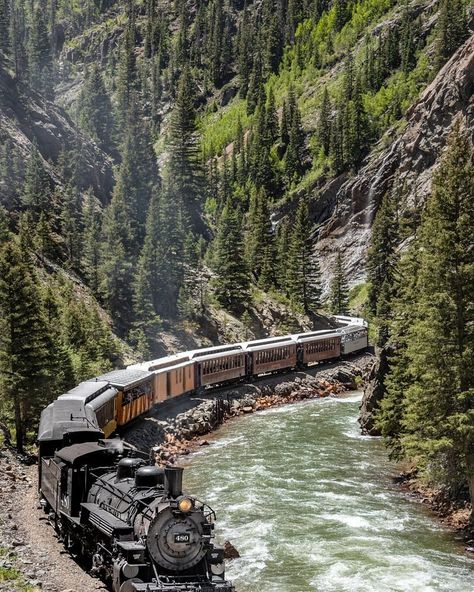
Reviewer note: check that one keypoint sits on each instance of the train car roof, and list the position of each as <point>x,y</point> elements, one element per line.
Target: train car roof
<point>311,337</point>
<point>183,364</point>
<point>345,320</point>
<point>126,378</point>
<point>269,341</point>
<point>65,416</point>
<point>207,351</point>
<point>165,362</point>
<point>313,333</point>
<point>351,329</point>
<point>88,390</point>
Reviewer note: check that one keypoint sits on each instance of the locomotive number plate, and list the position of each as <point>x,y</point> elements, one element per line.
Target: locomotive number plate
<point>182,537</point>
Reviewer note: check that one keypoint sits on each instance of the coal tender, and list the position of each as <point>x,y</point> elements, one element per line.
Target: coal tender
<point>138,529</point>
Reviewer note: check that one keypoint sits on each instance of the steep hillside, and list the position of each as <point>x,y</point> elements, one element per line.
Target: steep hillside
<point>184,172</point>
<point>403,161</point>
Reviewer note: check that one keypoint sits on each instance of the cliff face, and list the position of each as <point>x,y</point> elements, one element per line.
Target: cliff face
<point>27,118</point>
<point>402,161</point>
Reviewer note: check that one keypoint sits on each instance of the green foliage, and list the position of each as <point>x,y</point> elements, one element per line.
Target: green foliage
<point>231,286</point>
<point>428,414</point>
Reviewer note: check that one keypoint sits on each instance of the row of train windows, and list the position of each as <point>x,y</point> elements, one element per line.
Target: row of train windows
<point>356,335</point>
<point>321,346</point>
<point>213,366</point>
<point>273,355</point>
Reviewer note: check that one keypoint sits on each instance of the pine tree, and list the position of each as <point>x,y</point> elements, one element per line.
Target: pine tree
<point>381,258</point>
<point>71,213</point>
<point>342,13</point>
<point>339,299</point>
<point>5,26</point>
<point>127,70</point>
<point>437,416</point>
<point>95,109</point>
<point>295,152</point>
<point>36,192</point>
<point>232,283</point>
<point>24,342</point>
<point>259,243</point>
<point>452,29</point>
<point>40,64</point>
<point>324,126</point>
<point>245,51</point>
<point>4,225</point>
<point>256,90</point>
<point>184,166</point>
<point>303,276</point>
<point>91,243</point>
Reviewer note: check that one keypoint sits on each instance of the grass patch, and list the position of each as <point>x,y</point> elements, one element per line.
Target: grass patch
<point>358,296</point>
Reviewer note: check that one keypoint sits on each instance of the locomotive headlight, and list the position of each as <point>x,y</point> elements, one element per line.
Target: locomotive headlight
<point>185,505</point>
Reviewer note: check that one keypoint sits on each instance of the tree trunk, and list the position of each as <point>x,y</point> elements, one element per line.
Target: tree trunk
<point>470,476</point>
<point>6,433</point>
<point>18,425</point>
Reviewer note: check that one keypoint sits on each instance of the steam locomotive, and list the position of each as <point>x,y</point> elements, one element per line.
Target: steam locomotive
<point>140,531</point>
<point>130,520</point>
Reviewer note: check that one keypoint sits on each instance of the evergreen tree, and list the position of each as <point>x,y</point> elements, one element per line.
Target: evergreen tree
<point>184,167</point>
<point>437,426</point>
<point>95,109</point>
<point>339,299</point>
<point>36,192</point>
<point>295,152</point>
<point>91,241</point>
<point>127,70</point>
<point>324,126</point>
<point>71,213</point>
<point>5,26</point>
<point>39,52</point>
<point>24,341</point>
<point>245,51</point>
<point>259,243</point>
<point>232,283</point>
<point>303,276</point>
<point>256,90</point>
<point>342,13</point>
<point>381,258</point>
<point>452,29</point>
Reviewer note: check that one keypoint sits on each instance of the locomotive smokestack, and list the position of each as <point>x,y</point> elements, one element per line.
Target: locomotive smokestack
<point>174,481</point>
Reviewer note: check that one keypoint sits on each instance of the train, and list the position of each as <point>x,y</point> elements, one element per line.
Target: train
<point>130,519</point>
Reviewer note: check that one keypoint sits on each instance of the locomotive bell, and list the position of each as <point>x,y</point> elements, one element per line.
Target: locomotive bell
<point>174,481</point>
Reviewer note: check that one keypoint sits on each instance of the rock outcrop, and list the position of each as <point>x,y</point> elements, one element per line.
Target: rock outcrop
<point>403,160</point>
<point>373,394</point>
<point>27,118</point>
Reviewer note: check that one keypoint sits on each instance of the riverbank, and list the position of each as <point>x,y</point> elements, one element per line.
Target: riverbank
<point>454,515</point>
<point>178,427</point>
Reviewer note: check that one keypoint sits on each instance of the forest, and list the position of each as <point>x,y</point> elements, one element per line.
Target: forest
<point>211,126</point>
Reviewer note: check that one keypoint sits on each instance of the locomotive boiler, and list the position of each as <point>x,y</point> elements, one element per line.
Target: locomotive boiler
<point>131,521</point>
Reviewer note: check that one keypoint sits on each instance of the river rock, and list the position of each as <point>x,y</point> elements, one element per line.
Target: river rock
<point>230,552</point>
<point>373,394</point>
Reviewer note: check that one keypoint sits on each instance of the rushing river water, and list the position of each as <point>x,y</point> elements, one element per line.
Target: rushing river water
<point>309,504</point>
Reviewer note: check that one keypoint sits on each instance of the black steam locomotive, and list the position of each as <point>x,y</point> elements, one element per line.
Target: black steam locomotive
<point>129,520</point>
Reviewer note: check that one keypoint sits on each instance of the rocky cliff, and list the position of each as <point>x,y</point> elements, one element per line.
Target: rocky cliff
<point>27,118</point>
<point>402,161</point>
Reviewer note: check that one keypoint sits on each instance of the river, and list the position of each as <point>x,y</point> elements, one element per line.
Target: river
<point>309,504</point>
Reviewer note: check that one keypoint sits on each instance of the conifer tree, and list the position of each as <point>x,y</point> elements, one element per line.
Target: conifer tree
<point>5,26</point>
<point>232,283</point>
<point>36,192</point>
<point>127,71</point>
<point>437,424</point>
<point>71,214</point>
<point>256,90</point>
<point>95,109</point>
<point>381,258</point>
<point>184,167</point>
<point>24,341</point>
<point>295,151</point>
<point>342,13</point>
<point>303,276</point>
<point>339,298</point>
<point>324,126</point>
<point>259,243</point>
<point>452,29</point>
<point>245,51</point>
<point>91,243</point>
<point>39,53</point>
